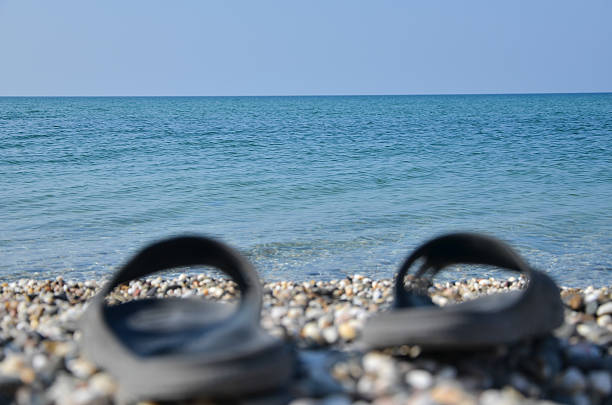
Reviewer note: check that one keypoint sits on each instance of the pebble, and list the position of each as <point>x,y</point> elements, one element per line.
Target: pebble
<point>573,380</point>
<point>591,308</point>
<point>330,335</point>
<point>580,399</point>
<point>447,373</point>
<point>451,394</point>
<point>590,296</point>
<point>81,368</point>
<point>600,381</point>
<point>347,331</point>
<point>604,320</point>
<point>103,384</point>
<point>605,309</point>
<point>40,361</point>
<point>27,375</point>
<point>521,383</point>
<point>574,301</point>
<point>589,330</point>
<point>501,397</point>
<point>419,379</point>
<point>378,364</point>
<point>12,365</point>
<point>311,331</point>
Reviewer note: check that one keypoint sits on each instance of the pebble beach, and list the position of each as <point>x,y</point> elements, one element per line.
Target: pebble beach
<point>41,363</point>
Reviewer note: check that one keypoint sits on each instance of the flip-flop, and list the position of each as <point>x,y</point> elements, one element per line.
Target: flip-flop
<point>174,349</point>
<point>486,321</point>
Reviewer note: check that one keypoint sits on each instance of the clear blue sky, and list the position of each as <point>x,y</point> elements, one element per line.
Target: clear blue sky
<point>197,47</point>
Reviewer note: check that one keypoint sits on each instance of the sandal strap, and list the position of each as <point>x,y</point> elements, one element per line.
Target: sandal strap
<point>454,248</point>
<point>190,251</point>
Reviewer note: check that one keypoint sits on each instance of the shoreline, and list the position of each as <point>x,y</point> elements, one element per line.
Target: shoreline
<point>41,362</point>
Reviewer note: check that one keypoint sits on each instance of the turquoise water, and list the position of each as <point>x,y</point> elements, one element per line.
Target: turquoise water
<point>307,187</point>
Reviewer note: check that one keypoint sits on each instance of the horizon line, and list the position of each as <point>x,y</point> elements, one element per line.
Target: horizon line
<point>319,95</point>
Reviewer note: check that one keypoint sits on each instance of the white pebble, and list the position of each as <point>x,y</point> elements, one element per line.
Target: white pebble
<point>330,335</point>
<point>80,367</point>
<point>592,297</point>
<point>378,364</point>
<point>605,309</point>
<point>419,379</point>
<point>604,320</point>
<point>311,331</point>
<point>39,361</point>
<point>103,383</point>
<point>278,312</point>
<point>439,300</point>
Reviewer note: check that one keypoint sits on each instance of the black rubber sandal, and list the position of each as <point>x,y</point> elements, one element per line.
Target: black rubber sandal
<point>173,349</point>
<point>485,321</point>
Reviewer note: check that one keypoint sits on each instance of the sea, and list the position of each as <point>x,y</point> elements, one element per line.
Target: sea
<point>308,188</point>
